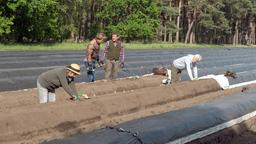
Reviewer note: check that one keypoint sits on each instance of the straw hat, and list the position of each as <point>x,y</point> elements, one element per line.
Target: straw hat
<point>75,68</point>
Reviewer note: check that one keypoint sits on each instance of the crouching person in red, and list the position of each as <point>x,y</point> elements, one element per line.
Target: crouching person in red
<point>50,80</point>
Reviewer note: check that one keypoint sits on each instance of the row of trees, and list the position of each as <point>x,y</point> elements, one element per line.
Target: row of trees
<point>188,21</point>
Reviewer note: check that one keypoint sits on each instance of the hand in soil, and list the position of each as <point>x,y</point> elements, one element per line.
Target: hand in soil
<point>75,98</point>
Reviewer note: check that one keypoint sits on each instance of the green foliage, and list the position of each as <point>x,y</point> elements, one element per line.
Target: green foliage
<point>212,17</point>
<point>253,8</point>
<point>5,25</point>
<point>36,20</point>
<point>6,15</point>
<point>136,26</point>
<point>42,15</point>
<point>57,20</point>
<point>69,15</point>
<point>167,13</point>
<point>133,19</point>
<point>237,9</point>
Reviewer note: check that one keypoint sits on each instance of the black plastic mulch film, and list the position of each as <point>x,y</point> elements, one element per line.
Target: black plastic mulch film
<point>19,66</point>
<point>135,135</point>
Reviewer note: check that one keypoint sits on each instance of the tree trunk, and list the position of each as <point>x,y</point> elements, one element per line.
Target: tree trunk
<point>251,35</point>
<point>87,24</point>
<point>90,18</point>
<point>191,30</point>
<point>235,37</point>
<point>192,36</point>
<point>81,29</point>
<point>170,37</point>
<point>165,33</point>
<point>190,27</point>
<point>82,21</point>
<point>178,21</point>
<point>161,33</point>
<point>247,38</point>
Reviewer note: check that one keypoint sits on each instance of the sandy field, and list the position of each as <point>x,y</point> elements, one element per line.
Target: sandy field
<point>24,120</point>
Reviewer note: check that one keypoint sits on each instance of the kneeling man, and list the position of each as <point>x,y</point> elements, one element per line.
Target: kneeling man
<point>187,62</point>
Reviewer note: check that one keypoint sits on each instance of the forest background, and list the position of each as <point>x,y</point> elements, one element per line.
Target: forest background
<point>147,21</point>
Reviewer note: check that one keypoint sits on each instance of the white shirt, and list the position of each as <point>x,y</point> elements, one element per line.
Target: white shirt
<point>186,62</point>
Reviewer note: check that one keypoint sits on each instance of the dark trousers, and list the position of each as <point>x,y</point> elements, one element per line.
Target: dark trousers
<point>176,74</point>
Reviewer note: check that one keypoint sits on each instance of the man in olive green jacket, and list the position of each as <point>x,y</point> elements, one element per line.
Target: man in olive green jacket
<point>50,80</point>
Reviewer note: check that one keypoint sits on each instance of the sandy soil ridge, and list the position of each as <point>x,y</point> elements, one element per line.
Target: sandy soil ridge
<point>23,120</point>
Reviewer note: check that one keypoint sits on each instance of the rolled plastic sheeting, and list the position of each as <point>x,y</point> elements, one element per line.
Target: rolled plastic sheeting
<point>220,79</point>
<point>168,127</point>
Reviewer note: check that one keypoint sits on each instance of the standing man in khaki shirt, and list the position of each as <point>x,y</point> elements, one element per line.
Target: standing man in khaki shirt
<point>114,54</point>
<point>92,55</point>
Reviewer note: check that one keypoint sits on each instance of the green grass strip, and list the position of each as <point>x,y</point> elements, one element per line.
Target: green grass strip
<point>81,46</point>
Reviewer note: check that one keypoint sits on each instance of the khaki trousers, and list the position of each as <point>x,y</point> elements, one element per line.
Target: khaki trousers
<point>111,69</point>
<point>176,74</point>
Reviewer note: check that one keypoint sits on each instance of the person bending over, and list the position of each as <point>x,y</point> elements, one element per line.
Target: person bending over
<point>50,80</point>
<point>186,62</point>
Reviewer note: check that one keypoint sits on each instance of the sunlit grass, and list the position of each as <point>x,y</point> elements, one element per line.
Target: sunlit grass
<point>42,47</point>
<point>169,45</point>
<point>81,46</point>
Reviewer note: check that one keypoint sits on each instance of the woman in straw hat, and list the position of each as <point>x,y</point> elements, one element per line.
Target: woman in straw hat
<point>50,80</point>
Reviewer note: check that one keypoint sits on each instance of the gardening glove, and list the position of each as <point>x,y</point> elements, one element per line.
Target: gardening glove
<point>122,65</point>
<point>195,79</point>
<point>97,64</point>
<point>75,98</point>
<point>100,63</point>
